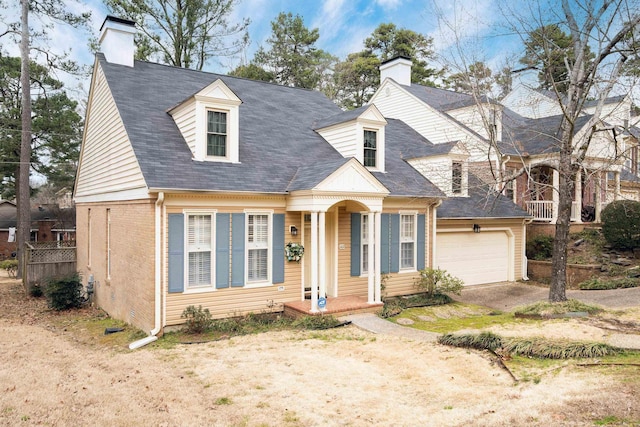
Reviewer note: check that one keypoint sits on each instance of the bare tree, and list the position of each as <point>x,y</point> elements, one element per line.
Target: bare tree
<point>601,40</point>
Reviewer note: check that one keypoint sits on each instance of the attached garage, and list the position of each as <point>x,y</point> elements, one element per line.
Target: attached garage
<point>476,258</point>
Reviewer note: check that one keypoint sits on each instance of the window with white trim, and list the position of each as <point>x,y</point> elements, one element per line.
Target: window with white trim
<point>199,250</point>
<point>370,148</point>
<point>456,178</point>
<point>364,243</point>
<point>408,241</point>
<point>216,133</point>
<point>258,237</point>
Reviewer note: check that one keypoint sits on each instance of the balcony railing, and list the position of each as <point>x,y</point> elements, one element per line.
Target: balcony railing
<point>542,210</point>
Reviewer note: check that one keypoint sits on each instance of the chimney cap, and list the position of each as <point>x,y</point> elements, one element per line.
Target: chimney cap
<point>117,20</point>
<point>395,58</point>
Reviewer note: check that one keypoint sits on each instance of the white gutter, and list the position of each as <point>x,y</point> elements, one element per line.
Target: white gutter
<point>158,278</point>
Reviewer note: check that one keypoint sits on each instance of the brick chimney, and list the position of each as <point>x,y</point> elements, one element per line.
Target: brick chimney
<point>116,40</point>
<point>398,68</point>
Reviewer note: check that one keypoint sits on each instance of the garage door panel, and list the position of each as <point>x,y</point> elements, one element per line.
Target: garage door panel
<point>475,258</point>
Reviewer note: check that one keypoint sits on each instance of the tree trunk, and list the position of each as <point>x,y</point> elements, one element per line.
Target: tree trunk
<point>22,189</point>
<point>557,290</point>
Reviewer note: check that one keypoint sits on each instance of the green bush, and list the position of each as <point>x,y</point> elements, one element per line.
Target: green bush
<point>198,320</point>
<point>540,247</point>
<point>11,266</point>
<point>317,322</point>
<point>64,293</point>
<point>597,284</point>
<point>621,224</point>
<point>436,281</point>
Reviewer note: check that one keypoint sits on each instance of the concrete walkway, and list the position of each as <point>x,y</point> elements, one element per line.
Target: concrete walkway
<point>505,297</point>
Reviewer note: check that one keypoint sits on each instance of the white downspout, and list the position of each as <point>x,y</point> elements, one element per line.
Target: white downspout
<point>525,266</point>
<point>158,278</point>
<point>433,248</point>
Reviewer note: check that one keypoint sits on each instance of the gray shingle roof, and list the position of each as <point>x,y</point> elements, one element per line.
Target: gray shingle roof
<point>525,136</point>
<point>483,202</point>
<point>277,139</point>
<point>442,99</point>
<point>342,117</point>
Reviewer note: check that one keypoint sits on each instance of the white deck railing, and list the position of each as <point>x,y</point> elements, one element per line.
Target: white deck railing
<point>542,210</point>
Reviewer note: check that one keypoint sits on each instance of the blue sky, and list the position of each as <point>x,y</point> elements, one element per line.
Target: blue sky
<point>343,26</point>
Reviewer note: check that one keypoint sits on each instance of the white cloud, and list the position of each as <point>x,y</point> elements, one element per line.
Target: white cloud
<point>389,4</point>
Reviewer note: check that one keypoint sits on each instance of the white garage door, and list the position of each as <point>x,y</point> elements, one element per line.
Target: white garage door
<point>475,258</point>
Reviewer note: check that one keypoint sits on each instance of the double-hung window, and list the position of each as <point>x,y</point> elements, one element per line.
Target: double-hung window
<point>407,241</point>
<point>456,178</point>
<point>370,148</point>
<point>216,133</point>
<point>365,244</point>
<point>199,248</point>
<point>258,232</point>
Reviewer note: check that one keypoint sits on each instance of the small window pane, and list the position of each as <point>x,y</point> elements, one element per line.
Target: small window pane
<point>199,268</point>
<point>456,178</point>
<point>370,148</point>
<point>406,252</point>
<point>216,133</point>
<point>257,264</point>
<point>365,258</point>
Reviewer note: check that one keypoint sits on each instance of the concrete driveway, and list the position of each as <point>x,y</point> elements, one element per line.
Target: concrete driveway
<point>507,295</point>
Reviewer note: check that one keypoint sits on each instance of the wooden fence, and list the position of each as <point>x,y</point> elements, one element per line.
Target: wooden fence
<point>44,260</point>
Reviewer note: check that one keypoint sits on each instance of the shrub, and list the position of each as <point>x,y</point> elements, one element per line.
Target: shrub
<point>198,320</point>
<point>621,224</point>
<point>64,293</point>
<point>540,247</point>
<point>11,266</point>
<point>436,281</point>
<point>597,284</point>
<point>317,322</point>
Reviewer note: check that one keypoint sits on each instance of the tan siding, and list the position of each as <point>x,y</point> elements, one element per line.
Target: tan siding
<point>185,118</point>
<point>129,293</point>
<point>343,139</point>
<point>516,226</point>
<point>237,301</point>
<point>107,162</point>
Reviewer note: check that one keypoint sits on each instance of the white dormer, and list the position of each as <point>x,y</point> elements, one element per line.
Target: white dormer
<point>398,69</point>
<point>210,123</point>
<point>361,136</point>
<point>449,171</point>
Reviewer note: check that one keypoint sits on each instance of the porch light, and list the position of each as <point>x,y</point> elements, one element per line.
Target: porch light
<point>476,228</point>
<point>293,230</point>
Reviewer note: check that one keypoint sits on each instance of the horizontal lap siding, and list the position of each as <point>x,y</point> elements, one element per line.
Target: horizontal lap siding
<point>238,300</point>
<point>515,225</point>
<point>108,162</point>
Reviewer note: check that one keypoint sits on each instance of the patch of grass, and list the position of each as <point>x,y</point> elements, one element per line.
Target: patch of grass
<point>599,284</point>
<point>394,306</point>
<point>482,341</point>
<point>89,329</point>
<point>316,322</point>
<point>613,420</point>
<point>545,308</point>
<point>223,401</point>
<point>456,317</point>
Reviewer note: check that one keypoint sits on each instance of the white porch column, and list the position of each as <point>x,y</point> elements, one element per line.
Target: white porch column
<point>314,262</point>
<point>378,261</point>
<point>598,177</point>
<point>555,196</point>
<point>578,196</point>
<point>370,260</point>
<point>616,177</point>
<point>322,256</point>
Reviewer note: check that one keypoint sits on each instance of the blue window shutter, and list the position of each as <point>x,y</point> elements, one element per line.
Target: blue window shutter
<point>395,243</point>
<point>278,249</point>
<point>222,250</point>
<point>237,251</point>
<point>356,230</point>
<point>176,253</point>
<point>385,239</point>
<point>420,242</point>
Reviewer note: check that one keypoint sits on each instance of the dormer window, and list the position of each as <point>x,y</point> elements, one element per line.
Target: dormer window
<point>456,178</point>
<point>216,133</point>
<point>370,148</point>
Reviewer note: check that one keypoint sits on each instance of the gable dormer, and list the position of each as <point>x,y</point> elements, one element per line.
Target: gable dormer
<point>358,133</point>
<point>447,167</point>
<point>210,123</point>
